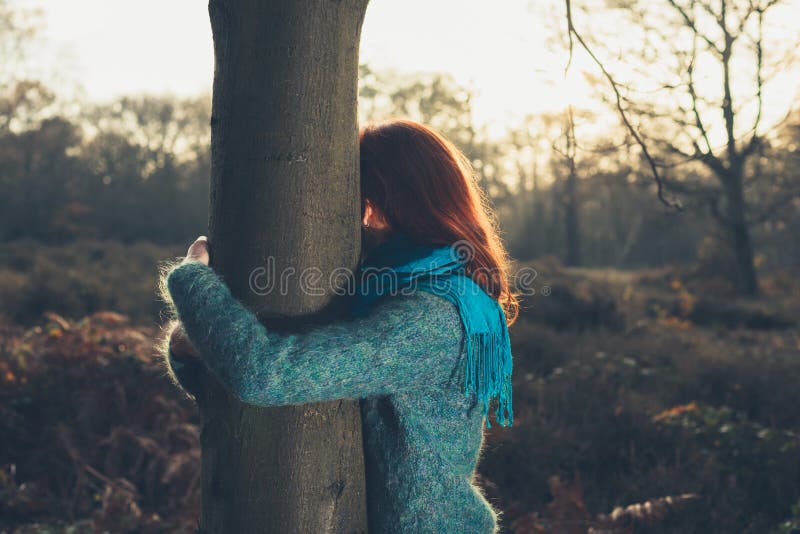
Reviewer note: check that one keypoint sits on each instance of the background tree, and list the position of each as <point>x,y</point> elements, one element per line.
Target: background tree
<point>149,156</point>
<point>683,117</point>
<point>569,196</point>
<point>526,148</point>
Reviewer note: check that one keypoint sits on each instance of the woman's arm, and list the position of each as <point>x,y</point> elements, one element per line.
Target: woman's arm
<point>407,342</point>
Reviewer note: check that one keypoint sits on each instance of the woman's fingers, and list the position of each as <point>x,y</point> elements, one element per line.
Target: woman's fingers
<point>198,251</point>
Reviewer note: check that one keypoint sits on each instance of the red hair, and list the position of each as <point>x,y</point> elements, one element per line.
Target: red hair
<point>425,187</point>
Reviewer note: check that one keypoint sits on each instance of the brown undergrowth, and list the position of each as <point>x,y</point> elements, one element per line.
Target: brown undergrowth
<point>652,401</point>
<point>95,438</point>
<point>641,404</point>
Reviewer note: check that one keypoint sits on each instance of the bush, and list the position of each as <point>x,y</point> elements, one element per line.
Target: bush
<point>81,278</point>
<point>95,436</point>
<point>664,408</point>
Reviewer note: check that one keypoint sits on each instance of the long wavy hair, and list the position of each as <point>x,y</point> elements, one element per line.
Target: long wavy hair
<point>426,188</point>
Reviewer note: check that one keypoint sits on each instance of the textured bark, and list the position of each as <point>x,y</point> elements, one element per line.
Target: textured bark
<point>571,220</point>
<point>284,187</point>
<point>571,200</point>
<point>739,232</point>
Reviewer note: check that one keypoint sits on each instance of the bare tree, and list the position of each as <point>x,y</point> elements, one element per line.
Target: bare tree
<point>679,37</point>
<point>570,196</point>
<point>284,186</point>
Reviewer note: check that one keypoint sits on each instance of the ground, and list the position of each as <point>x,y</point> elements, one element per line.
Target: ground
<point>643,402</point>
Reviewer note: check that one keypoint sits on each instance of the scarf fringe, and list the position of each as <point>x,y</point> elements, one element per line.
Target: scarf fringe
<point>489,368</point>
<point>488,373</point>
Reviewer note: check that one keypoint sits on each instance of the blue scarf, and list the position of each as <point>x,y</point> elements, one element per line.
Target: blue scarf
<point>400,265</point>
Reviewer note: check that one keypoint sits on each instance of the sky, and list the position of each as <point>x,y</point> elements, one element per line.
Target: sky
<point>499,49</point>
<point>113,47</point>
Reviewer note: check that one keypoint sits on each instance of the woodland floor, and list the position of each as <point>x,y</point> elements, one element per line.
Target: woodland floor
<point>629,387</point>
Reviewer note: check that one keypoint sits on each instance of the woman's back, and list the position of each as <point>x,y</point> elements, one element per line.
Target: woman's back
<point>422,445</point>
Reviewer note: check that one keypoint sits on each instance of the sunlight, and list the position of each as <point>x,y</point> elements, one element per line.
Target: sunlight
<point>501,53</point>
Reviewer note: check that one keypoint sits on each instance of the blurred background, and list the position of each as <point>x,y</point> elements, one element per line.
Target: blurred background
<point>645,165</point>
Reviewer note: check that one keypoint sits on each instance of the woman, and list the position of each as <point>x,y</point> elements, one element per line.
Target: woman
<point>422,350</point>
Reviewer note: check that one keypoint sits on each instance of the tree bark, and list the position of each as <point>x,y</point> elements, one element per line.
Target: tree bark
<point>739,232</point>
<point>571,220</point>
<point>571,201</point>
<point>284,215</point>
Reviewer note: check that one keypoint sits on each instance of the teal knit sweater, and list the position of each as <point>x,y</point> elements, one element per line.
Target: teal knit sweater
<point>405,362</point>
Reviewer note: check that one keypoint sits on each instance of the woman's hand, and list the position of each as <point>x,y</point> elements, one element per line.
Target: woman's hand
<point>179,344</point>
<point>198,251</point>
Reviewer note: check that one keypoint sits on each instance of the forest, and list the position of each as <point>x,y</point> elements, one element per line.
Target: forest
<point>656,362</point>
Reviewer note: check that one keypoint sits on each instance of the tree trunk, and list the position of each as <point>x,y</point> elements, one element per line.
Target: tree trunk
<point>571,201</point>
<point>553,237</point>
<point>284,214</point>
<point>537,225</point>
<point>571,221</point>
<point>739,232</point>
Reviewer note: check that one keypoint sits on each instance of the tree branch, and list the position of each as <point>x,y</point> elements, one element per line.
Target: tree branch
<point>753,144</point>
<point>727,98</point>
<point>693,95</point>
<point>689,21</point>
<point>572,31</point>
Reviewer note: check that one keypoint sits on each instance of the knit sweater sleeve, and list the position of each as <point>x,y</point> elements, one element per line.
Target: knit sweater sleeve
<point>407,342</point>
